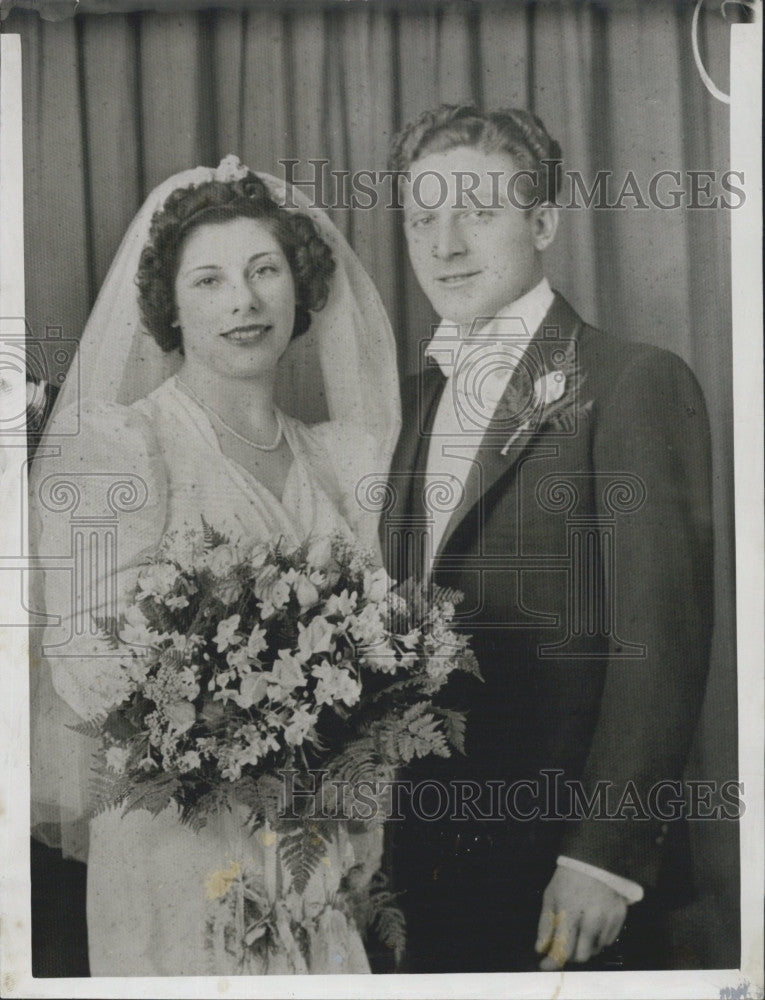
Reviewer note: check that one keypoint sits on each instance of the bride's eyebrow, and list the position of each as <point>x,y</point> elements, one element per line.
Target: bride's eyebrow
<point>214,267</point>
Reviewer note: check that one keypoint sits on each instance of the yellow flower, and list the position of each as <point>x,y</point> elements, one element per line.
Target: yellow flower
<point>219,882</point>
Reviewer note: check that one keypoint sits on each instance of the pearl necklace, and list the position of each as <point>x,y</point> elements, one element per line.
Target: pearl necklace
<point>253,444</point>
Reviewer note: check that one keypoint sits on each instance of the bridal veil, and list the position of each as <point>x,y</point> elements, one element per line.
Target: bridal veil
<point>343,369</point>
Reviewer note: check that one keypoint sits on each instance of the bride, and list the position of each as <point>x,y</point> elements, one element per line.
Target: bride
<point>264,392</point>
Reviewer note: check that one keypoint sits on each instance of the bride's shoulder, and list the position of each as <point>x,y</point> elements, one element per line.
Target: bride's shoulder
<point>99,434</point>
<point>344,443</point>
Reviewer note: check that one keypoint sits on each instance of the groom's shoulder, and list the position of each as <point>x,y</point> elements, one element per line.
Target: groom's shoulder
<point>612,358</point>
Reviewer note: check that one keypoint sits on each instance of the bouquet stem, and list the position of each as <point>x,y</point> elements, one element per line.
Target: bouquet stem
<point>270,866</point>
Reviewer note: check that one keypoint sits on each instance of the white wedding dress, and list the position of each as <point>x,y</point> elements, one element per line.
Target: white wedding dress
<point>162,899</point>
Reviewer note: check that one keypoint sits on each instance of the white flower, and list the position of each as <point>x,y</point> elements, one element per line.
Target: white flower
<point>186,683</point>
<point>229,590</point>
<point>334,685</point>
<point>367,627</point>
<point>177,602</point>
<point>437,670</point>
<point>232,770</point>
<point>259,743</point>
<point>181,715</point>
<point>272,588</point>
<point>377,583</point>
<point>410,640</point>
<point>221,559</point>
<point>306,592</point>
<point>286,675</point>
<point>342,604</point>
<point>189,761</point>
<point>135,629</point>
<point>138,668</point>
<point>238,659</point>
<point>256,644</point>
<point>407,660</point>
<point>114,682</point>
<point>252,689</point>
<point>381,657</point>
<point>316,637</point>
<point>299,726</point>
<point>549,388</point>
<point>117,758</point>
<point>225,636</point>
<point>157,579</point>
<point>320,554</point>
<point>447,610</point>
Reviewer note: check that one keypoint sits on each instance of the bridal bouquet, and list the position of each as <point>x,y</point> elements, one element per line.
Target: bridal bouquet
<point>239,673</point>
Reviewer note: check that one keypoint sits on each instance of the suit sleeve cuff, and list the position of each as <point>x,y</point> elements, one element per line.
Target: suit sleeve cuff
<point>631,891</point>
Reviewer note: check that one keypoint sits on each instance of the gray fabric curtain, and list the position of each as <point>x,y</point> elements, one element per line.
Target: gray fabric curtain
<point>113,104</point>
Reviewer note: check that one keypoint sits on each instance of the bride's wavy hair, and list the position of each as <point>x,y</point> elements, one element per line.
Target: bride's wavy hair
<point>186,209</point>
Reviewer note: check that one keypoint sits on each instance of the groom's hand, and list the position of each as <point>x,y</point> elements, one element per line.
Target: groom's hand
<point>580,916</point>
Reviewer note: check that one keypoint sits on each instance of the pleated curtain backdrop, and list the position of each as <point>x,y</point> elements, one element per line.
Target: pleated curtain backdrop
<point>114,103</point>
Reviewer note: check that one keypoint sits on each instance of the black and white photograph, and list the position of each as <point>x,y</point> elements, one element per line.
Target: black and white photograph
<point>381,470</point>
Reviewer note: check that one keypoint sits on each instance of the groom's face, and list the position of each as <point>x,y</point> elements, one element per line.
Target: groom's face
<point>473,250</point>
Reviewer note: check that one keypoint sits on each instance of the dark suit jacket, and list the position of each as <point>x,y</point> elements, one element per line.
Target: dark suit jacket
<point>585,560</point>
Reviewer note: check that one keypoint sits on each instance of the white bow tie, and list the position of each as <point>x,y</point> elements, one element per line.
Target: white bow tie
<point>477,369</point>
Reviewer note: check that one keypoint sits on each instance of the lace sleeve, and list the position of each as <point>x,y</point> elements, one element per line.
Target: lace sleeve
<point>96,509</point>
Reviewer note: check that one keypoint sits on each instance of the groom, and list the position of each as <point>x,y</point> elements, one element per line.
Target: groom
<point>559,477</point>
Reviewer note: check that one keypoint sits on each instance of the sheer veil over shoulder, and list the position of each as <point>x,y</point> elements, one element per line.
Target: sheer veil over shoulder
<point>338,390</point>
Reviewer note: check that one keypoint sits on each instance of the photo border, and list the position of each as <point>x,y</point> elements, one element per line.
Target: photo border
<point>746,270</point>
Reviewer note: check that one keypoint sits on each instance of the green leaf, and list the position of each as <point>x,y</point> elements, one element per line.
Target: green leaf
<point>108,626</point>
<point>262,796</point>
<point>454,727</point>
<point>94,728</point>
<point>390,926</point>
<point>420,734</point>
<point>154,794</point>
<point>119,726</point>
<point>359,761</point>
<point>468,664</point>
<point>375,911</point>
<point>302,851</point>
<point>211,536</point>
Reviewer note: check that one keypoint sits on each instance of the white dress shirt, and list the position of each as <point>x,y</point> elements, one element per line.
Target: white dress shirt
<point>477,369</point>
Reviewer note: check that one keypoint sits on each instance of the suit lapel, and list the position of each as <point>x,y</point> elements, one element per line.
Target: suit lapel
<point>430,386</point>
<point>410,463</point>
<point>555,333</point>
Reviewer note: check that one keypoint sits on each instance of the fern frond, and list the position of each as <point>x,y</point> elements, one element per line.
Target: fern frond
<point>301,851</point>
<point>210,535</point>
<point>107,789</point>
<point>396,687</point>
<point>93,728</point>
<point>454,727</point>
<point>154,794</point>
<point>375,912</point>
<point>359,761</point>
<point>263,797</point>
<point>416,733</point>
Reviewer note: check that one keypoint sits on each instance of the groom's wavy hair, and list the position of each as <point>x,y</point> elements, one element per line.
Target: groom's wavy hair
<point>186,209</point>
<point>514,131</point>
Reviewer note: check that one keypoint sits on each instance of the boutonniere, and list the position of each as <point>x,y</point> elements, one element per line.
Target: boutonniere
<point>556,399</point>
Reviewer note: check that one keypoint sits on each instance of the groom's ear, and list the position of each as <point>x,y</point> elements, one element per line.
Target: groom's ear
<point>544,223</point>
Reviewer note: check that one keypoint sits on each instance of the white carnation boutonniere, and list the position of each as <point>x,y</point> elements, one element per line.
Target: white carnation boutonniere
<point>549,388</point>
<point>557,401</point>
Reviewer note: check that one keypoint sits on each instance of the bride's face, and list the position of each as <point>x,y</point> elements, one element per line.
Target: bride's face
<point>235,297</point>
